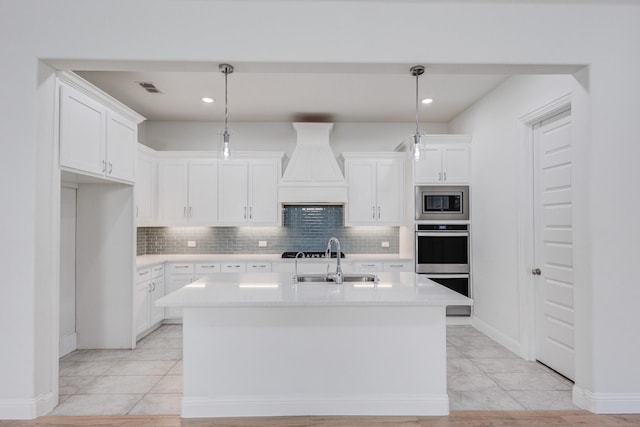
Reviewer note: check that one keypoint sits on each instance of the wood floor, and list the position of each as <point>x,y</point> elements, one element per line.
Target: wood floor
<point>456,419</point>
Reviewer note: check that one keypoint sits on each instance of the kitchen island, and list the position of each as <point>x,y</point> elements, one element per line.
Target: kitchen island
<point>256,344</point>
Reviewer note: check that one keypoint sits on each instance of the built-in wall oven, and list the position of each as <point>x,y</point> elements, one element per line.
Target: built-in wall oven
<point>442,253</point>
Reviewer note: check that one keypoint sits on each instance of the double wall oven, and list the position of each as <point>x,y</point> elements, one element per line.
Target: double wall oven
<point>442,240</point>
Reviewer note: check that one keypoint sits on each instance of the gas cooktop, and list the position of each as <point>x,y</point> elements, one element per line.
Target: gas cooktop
<point>310,254</point>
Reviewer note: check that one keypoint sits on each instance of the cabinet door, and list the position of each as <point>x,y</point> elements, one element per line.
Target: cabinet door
<point>203,191</point>
<point>144,190</point>
<point>141,306</point>
<point>361,179</point>
<point>172,192</point>
<point>389,191</point>
<point>428,170</point>
<point>232,207</point>
<point>122,136</point>
<point>455,164</point>
<point>82,133</point>
<point>156,314</point>
<point>263,192</point>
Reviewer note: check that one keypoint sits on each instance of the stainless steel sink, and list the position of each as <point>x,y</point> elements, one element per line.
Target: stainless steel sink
<point>318,278</point>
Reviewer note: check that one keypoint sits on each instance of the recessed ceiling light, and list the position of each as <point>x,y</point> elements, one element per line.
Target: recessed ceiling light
<point>207,100</point>
<point>427,101</point>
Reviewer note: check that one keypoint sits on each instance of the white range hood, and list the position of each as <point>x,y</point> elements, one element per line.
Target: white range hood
<point>313,174</point>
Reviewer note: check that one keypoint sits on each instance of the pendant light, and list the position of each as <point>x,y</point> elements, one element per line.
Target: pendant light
<point>225,69</point>
<point>416,71</point>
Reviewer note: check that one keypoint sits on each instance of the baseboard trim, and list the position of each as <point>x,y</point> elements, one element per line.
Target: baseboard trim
<point>606,403</point>
<point>27,409</point>
<point>205,406</point>
<point>496,335</point>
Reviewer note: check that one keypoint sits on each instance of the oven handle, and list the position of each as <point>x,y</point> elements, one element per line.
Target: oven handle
<point>442,234</point>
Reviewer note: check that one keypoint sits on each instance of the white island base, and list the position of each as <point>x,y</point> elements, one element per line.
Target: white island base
<point>281,349</point>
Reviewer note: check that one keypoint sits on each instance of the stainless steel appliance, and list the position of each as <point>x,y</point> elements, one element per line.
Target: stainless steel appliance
<point>442,253</point>
<point>442,203</point>
<point>442,248</point>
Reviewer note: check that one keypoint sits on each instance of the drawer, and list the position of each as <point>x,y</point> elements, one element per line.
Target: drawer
<point>143,275</point>
<point>157,271</point>
<point>207,268</point>
<point>181,268</point>
<point>398,266</point>
<point>364,267</point>
<point>231,267</point>
<point>259,266</point>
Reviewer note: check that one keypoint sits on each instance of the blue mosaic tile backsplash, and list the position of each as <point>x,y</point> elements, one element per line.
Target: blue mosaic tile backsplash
<point>304,228</point>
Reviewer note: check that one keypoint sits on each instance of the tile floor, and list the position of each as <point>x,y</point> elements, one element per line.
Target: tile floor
<point>481,375</point>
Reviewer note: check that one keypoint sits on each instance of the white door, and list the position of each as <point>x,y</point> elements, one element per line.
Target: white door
<point>68,336</point>
<point>81,132</point>
<point>172,191</point>
<point>554,244</point>
<point>203,191</point>
<point>121,147</point>
<point>263,185</point>
<point>233,191</point>
<point>455,164</point>
<point>389,187</point>
<point>361,179</point>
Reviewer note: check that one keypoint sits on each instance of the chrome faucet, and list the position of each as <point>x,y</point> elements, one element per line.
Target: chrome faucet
<point>337,276</point>
<point>295,277</point>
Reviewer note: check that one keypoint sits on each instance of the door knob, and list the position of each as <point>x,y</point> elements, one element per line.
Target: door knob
<point>536,272</point>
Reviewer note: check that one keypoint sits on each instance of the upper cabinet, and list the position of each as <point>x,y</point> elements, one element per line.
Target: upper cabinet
<point>145,187</point>
<point>248,192</point>
<point>188,192</point>
<point>375,189</point>
<point>445,160</point>
<point>97,135</point>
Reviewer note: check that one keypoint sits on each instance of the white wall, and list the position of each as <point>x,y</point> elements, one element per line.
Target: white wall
<point>193,135</point>
<point>493,122</point>
<point>100,35</point>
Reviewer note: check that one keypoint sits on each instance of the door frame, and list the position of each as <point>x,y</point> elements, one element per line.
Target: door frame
<point>526,237</point>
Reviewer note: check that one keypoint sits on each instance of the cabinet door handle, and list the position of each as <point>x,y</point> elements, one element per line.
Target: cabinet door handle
<point>440,176</point>
<point>445,176</point>
<point>245,212</point>
<point>110,167</point>
<point>184,212</point>
<point>378,212</point>
<point>250,212</point>
<point>181,266</point>
<point>137,211</point>
<point>373,209</point>
<point>104,166</point>
<point>190,211</point>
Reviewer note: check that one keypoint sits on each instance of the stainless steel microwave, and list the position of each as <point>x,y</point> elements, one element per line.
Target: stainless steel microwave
<point>436,202</point>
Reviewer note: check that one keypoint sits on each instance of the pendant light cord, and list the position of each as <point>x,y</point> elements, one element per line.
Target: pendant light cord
<point>417,105</point>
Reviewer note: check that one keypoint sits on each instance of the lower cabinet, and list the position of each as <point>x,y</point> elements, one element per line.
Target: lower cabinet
<point>178,275</point>
<point>149,287</point>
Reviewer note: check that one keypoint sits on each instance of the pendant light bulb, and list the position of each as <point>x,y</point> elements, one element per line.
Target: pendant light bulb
<point>226,69</point>
<point>417,71</point>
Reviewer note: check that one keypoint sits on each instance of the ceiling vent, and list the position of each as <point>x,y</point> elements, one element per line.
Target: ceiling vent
<point>149,87</point>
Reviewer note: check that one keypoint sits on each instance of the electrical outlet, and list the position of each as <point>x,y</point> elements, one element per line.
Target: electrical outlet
<point>191,243</point>
<point>384,244</point>
<point>262,243</point>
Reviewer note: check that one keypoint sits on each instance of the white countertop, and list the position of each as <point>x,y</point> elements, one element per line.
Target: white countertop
<point>277,290</point>
<point>149,260</point>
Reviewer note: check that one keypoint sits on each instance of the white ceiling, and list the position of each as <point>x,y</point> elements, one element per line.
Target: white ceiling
<point>360,94</point>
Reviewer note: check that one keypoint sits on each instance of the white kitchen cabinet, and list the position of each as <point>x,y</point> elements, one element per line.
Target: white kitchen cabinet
<point>443,164</point>
<point>233,267</point>
<point>177,275</point>
<point>148,288</point>
<point>188,192</point>
<point>368,267</point>
<point>375,191</point>
<point>249,192</point>
<point>145,188</point>
<point>95,139</point>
